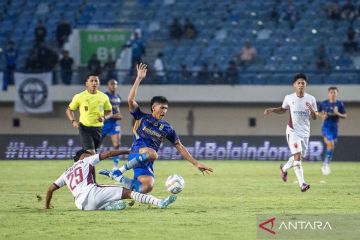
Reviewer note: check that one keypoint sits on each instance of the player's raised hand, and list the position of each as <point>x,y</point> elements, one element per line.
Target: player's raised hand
<point>141,71</point>
<point>204,169</point>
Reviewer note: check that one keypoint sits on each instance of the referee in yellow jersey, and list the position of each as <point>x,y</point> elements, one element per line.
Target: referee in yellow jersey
<point>94,107</point>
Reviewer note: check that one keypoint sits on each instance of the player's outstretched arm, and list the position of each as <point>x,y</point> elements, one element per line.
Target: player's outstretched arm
<point>278,110</point>
<point>105,155</point>
<point>185,153</point>
<point>52,188</point>
<point>141,74</point>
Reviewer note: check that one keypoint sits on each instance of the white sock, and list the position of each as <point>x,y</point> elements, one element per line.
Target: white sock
<point>122,169</point>
<point>145,198</point>
<point>299,172</point>
<point>289,164</point>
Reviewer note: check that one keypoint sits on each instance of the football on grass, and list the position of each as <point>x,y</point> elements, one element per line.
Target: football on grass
<point>175,184</point>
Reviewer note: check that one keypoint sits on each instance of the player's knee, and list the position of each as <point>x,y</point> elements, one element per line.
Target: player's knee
<point>117,146</point>
<point>152,155</point>
<point>297,156</point>
<point>146,188</point>
<point>330,145</point>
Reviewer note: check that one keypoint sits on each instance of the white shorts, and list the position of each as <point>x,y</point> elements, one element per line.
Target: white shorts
<point>102,195</point>
<point>296,143</point>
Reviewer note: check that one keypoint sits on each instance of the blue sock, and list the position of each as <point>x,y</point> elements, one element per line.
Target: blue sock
<point>137,161</point>
<point>328,156</point>
<point>116,161</point>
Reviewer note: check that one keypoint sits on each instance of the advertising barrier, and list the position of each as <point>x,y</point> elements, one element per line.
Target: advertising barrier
<point>43,147</point>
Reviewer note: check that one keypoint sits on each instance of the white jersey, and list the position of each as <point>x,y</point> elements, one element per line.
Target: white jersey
<point>299,120</point>
<point>79,178</point>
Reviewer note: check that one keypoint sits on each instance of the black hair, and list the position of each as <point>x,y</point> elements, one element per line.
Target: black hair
<point>158,99</point>
<point>300,76</point>
<point>91,74</point>
<point>79,153</point>
<point>333,88</point>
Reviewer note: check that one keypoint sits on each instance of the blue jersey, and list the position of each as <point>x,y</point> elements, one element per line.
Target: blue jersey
<point>328,107</point>
<point>330,125</point>
<point>115,101</point>
<point>149,132</point>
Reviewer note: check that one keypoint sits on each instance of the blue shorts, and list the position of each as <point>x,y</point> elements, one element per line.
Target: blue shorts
<point>110,128</point>
<point>146,170</point>
<point>330,133</point>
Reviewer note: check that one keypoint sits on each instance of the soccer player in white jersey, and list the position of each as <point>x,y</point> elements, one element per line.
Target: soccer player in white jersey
<point>88,195</point>
<point>302,106</point>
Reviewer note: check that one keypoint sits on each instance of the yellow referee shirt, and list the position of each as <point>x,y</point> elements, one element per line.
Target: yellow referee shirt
<point>91,106</point>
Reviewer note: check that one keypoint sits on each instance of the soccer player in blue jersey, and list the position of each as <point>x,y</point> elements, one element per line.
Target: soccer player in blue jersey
<point>149,132</point>
<point>331,111</point>
<point>111,126</point>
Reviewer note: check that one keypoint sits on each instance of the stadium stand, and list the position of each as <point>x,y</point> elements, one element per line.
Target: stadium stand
<point>283,45</point>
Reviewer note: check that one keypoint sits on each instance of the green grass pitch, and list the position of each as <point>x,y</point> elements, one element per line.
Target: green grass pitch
<point>221,206</point>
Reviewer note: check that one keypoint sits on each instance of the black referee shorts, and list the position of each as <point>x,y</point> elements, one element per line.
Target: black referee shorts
<point>90,137</point>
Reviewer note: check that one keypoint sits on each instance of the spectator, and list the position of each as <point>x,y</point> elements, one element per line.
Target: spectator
<point>185,74</point>
<point>289,14</point>
<point>175,29</point>
<point>110,63</point>
<point>247,54</point>
<point>322,61</point>
<point>94,65</point>
<point>159,67</point>
<point>275,14</point>
<point>11,55</point>
<point>189,29</point>
<point>348,11</point>
<point>32,62</point>
<point>203,73</point>
<point>351,44</point>
<point>47,58</point>
<point>40,33</point>
<point>138,51</point>
<point>333,11</point>
<point>41,58</point>
<point>66,64</point>
<point>216,74</point>
<point>106,74</point>
<point>231,73</point>
<point>63,30</point>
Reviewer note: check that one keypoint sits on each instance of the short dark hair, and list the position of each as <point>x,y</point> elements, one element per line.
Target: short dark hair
<point>300,75</point>
<point>79,153</point>
<point>158,99</point>
<point>332,88</point>
<point>91,74</point>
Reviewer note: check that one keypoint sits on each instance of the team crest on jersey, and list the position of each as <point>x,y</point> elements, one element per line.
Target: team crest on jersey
<point>155,124</point>
<point>161,127</point>
<point>295,145</point>
<point>86,108</point>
